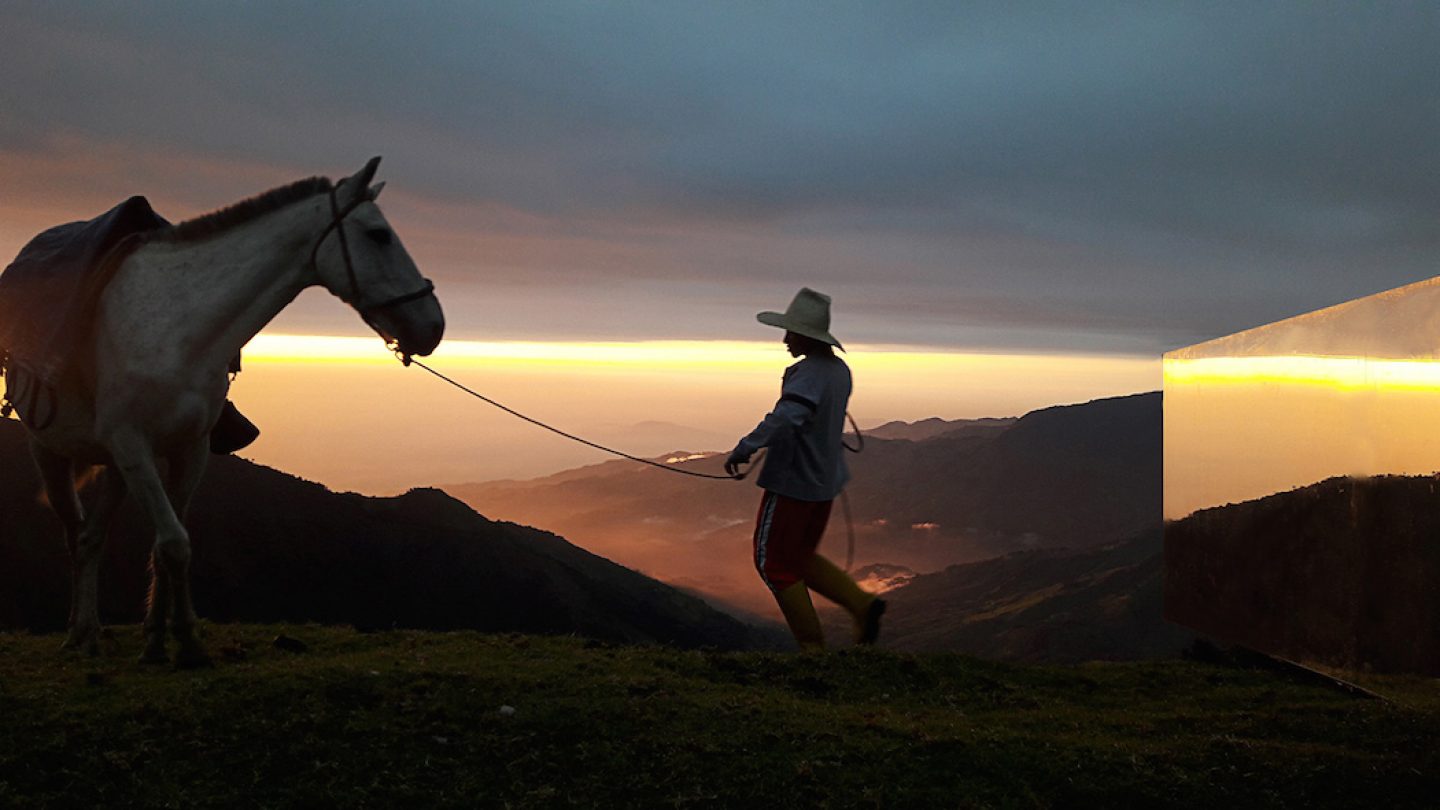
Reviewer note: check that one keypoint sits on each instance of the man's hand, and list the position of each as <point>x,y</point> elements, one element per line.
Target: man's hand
<point>732,464</point>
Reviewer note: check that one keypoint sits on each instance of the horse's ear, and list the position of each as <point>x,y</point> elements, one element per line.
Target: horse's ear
<point>359,183</point>
<point>375,190</point>
<point>368,173</point>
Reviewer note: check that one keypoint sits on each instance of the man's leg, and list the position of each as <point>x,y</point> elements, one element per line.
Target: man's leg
<point>780,548</point>
<point>800,615</point>
<point>829,581</point>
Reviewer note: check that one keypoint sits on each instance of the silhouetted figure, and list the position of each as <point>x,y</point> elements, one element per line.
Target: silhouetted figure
<point>804,472</point>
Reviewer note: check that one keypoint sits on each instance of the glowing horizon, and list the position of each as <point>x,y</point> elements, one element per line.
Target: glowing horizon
<point>1339,372</point>
<point>341,410</point>
<point>268,347</point>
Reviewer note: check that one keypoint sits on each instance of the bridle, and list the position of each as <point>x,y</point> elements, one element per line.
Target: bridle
<point>337,216</point>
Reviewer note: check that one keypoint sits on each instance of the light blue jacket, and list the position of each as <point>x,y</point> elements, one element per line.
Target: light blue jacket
<point>805,460</point>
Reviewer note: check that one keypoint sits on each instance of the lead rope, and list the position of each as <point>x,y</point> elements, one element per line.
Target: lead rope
<point>845,496</point>
<point>667,467</point>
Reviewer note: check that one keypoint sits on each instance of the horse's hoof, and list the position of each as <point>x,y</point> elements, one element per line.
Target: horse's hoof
<point>193,658</point>
<point>154,657</point>
<point>82,643</point>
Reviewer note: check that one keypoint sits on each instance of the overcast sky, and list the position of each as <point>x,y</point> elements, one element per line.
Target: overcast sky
<point>1059,177</point>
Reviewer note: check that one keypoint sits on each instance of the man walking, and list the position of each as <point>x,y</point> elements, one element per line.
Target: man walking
<point>804,471</point>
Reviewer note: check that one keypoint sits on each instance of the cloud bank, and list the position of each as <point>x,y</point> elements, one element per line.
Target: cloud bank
<point>1113,177</point>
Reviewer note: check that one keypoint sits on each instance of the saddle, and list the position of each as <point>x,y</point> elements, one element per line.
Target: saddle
<point>49,293</point>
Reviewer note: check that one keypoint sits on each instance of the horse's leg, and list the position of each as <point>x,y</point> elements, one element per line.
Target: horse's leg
<point>157,609</point>
<point>56,473</point>
<point>134,457</point>
<point>85,634</point>
<point>185,471</point>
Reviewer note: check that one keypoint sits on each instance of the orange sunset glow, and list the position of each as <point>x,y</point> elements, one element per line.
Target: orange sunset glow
<point>343,411</point>
<point>1238,428</point>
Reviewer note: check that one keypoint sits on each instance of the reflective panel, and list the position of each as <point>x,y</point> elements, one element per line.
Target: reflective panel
<point>1301,503</point>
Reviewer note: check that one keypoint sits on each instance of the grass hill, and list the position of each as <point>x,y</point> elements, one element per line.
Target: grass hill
<point>272,547</point>
<point>417,719</point>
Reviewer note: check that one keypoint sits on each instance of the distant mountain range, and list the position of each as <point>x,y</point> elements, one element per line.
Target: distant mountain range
<point>1075,476</point>
<point>272,547</point>
<point>935,427</point>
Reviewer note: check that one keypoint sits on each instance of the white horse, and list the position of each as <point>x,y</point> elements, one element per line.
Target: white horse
<point>144,400</point>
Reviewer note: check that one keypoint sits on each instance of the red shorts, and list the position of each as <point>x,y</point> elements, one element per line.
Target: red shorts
<point>787,533</point>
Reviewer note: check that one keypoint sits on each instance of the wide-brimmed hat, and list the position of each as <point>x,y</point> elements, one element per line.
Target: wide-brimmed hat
<point>808,315</point>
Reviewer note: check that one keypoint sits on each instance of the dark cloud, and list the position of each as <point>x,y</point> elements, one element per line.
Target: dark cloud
<point>1122,176</point>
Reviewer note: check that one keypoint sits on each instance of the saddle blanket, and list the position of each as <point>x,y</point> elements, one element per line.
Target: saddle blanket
<point>49,293</point>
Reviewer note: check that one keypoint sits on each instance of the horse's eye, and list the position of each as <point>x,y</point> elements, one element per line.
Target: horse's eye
<point>379,236</point>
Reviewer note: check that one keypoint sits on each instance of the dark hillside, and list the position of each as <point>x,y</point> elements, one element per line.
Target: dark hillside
<point>1055,605</point>
<point>271,547</point>
<point>1345,571</point>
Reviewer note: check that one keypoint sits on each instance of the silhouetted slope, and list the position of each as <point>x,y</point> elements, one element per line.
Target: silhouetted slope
<point>270,547</point>
<point>1345,571</point>
<point>1049,605</point>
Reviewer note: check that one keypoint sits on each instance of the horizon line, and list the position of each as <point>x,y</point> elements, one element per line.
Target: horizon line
<point>281,347</point>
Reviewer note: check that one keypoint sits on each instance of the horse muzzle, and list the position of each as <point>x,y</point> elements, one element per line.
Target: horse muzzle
<point>414,327</point>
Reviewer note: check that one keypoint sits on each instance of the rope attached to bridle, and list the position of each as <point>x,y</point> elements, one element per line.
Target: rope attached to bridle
<point>844,497</point>
<point>667,467</point>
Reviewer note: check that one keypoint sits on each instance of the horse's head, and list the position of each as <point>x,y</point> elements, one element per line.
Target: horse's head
<point>360,259</point>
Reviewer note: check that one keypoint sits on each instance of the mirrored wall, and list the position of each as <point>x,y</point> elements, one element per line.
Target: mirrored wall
<point>1301,503</point>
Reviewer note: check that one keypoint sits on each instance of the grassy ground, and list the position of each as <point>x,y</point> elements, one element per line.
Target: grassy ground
<point>416,719</point>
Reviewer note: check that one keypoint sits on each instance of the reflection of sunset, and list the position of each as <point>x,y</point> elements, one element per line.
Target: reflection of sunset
<point>1343,373</point>
<point>1239,428</point>
<point>1352,389</point>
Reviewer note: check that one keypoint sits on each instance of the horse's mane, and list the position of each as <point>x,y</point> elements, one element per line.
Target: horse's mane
<point>244,211</point>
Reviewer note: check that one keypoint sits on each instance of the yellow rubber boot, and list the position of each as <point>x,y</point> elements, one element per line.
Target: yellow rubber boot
<point>799,613</point>
<point>830,582</point>
<point>864,607</point>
